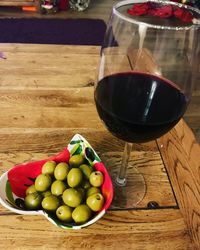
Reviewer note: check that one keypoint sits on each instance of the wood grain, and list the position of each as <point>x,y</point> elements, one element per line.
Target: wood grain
<point>32,69</point>
<point>117,230</point>
<point>180,153</point>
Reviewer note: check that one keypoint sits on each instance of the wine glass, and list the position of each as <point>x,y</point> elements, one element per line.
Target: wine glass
<point>145,78</point>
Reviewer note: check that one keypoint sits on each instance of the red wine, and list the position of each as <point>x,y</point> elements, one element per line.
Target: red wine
<point>138,107</point>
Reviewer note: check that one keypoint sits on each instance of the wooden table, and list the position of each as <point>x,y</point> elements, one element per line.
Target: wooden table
<point>46,97</point>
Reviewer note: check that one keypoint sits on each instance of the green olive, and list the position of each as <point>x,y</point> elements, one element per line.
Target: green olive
<point>49,167</point>
<point>46,193</point>
<point>33,201</point>
<point>92,190</point>
<point>42,182</point>
<point>61,171</point>
<point>31,189</point>
<point>96,179</point>
<point>50,203</point>
<point>86,170</point>
<point>76,160</point>
<point>64,213</point>
<point>74,177</point>
<point>81,214</point>
<point>95,202</point>
<point>58,187</point>
<point>72,197</point>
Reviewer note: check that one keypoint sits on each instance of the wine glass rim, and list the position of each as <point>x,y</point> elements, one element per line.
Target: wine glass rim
<point>194,24</point>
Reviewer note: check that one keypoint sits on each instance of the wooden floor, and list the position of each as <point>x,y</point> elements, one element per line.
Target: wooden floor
<point>101,9</point>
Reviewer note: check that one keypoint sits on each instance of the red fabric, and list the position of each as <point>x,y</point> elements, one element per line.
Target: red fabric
<point>163,12</point>
<point>184,15</point>
<point>139,9</point>
<point>63,4</point>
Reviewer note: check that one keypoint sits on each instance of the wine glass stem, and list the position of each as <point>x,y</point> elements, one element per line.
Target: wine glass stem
<point>121,177</point>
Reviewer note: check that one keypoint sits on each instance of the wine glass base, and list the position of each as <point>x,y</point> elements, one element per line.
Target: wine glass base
<point>127,195</point>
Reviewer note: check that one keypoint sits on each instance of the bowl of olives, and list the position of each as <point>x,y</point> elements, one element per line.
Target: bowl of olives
<point>72,189</point>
